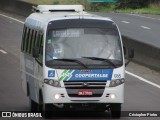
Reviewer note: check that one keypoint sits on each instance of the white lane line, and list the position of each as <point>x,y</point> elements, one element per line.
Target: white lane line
<point>144,16</point>
<point>2,51</point>
<point>145,27</point>
<point>12,18</point>
<point>144,80</point>
<point>125,22</point>
<point>132,74</point>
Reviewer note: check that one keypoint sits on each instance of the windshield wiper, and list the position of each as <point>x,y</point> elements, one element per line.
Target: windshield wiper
<point>72,60</point>
<point>102,59</point>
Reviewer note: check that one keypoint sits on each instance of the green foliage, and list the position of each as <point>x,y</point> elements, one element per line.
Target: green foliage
<point>55,2</point>
<point>151,9</point>
<point>135,4</point>
<point>98,6</point>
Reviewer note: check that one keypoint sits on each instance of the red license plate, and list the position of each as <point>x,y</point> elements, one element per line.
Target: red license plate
<point>85,92</point>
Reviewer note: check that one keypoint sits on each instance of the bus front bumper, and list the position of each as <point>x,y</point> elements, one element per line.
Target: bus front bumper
<point>59,95</point>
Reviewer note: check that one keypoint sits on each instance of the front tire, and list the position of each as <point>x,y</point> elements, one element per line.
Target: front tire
<point>33,105</point>
<point>115,110</point>
<point>48,110</point>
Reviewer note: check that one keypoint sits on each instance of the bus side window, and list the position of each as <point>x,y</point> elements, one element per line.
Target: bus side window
<point>23,38</point>
<point>30,41</point>
<point>38,40</point>
<point>27,40</point>
<point>39,44</point>
<point>33,40</point>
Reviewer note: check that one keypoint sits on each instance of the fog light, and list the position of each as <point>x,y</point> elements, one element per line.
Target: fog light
<point>56,96</point>
<point>113,96</point>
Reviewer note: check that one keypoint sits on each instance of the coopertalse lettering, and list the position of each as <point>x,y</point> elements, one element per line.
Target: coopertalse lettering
<point>91,75</point>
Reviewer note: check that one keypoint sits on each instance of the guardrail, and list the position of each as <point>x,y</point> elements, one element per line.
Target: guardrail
<point>144,54</point>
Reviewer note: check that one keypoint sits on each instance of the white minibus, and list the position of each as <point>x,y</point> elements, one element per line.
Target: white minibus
<point>72,60</point>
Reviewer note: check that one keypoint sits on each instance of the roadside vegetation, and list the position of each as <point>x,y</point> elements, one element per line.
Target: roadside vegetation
<point>124,6</point>
<point>139,6</point>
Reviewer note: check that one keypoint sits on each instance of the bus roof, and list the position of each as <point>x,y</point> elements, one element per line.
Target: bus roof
<point>46,13</point>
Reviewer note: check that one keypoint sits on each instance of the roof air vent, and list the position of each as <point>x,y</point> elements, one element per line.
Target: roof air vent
<point>55,8</point>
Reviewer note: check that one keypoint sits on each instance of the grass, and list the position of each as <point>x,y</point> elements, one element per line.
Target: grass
<point>149,10</point>
<point>40,2</point>
<point>107,9</point>
<point>152,9</point>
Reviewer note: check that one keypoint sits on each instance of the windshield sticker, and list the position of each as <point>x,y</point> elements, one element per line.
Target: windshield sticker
<point>51,73</point>
<point>49,41</point>
<point>72,75</point>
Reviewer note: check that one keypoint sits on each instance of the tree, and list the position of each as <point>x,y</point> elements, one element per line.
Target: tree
<point>136,3</point>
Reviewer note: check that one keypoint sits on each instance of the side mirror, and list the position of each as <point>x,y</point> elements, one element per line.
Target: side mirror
<point>35,52</point>
<point>130,55</point>
<point>124,50</point>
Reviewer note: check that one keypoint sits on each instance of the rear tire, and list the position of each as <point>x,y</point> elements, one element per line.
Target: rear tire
<point>33,105</point>
<point>115,110</point>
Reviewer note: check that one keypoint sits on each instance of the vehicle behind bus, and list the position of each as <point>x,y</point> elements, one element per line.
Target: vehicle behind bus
<point>72,60</point>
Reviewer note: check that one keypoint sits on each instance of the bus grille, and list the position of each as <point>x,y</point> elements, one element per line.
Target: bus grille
<point>73,88</point>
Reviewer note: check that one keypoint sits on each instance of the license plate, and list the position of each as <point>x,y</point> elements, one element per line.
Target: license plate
<point>85,92</point>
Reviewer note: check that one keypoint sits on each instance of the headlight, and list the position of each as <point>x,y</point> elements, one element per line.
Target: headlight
<point>52,82</point>
<point>117,82</point>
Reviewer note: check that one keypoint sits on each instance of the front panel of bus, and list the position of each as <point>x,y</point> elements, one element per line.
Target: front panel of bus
<point>83,62</point>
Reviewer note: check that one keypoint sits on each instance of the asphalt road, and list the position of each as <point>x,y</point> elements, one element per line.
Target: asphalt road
<point>139,96</point>
<point>143,28</point>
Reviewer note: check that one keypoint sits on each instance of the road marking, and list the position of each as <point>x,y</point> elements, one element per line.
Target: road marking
<point>146,27</point>
<point>136,76</point>
<point>143,16</point>
<point>125,22</point>
<point>144,80</point>
<point>12,18</point>
<point>2,51</point>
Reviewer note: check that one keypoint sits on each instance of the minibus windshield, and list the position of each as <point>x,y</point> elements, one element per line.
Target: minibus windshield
<point>80,43</point>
